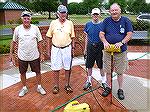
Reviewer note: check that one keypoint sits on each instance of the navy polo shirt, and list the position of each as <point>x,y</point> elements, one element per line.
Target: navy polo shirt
<point>92,31</point>
<point>115,31</point>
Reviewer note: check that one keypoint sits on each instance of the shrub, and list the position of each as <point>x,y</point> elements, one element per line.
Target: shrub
<point>140,26</point>
<point>34,22</point>
<point>11,21</point>
<point>4,49</point>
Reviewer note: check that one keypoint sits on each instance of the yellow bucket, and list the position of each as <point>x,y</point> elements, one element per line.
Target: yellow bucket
<point>74,106</point>
<point>113,49</point>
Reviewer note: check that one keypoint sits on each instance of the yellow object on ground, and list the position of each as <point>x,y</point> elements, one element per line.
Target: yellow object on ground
<point>113,49</point>
<point>74,106</point>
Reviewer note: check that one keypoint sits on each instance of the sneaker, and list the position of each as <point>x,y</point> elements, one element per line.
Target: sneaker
<point>87,85</point>
<point>41,90</point>
<point>120,94</point>
<point>107,90</point>
<point>23,91</point>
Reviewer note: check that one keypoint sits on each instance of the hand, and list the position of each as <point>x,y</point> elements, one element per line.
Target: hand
<point>42,57</point>
<point>106,45</point>
<point>11,59</point>
<point>118,45</point>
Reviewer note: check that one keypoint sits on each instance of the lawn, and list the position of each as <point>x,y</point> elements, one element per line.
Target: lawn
<point>5,40</point>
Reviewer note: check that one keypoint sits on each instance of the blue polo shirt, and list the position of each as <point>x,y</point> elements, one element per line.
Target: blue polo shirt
<point>92,31</point>
<point>115,31</point>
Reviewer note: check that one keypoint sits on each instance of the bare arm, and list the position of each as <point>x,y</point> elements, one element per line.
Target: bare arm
<point>12,44</point>
<point>86,40</point>
<point>48,46</point>
<point>125,40</point>
<point>102,38</point>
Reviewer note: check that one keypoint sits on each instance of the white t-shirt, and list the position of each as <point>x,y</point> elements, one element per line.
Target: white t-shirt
<point>27,42</point>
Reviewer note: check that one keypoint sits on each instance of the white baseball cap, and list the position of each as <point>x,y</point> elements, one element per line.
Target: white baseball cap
<point>95,11</point>
<point>26,13</point>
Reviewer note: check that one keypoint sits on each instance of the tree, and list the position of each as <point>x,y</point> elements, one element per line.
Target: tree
<point>90,4</point>
<point>122,3</point>
<point>46,5</point>
<point>73,8</point>
<point>136,7</point>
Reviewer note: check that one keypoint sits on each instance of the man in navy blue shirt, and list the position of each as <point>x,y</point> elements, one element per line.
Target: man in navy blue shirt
<point>116,30</point>
<point>93,47</point>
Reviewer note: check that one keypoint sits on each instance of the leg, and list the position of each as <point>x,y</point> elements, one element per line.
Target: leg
<point>120,80</point>
<point>23,78</point>
<point>23,65</point>
<point>90,60</point>
<point>56,81</point>
<point>88,83</point>
<point>67,85</point>
<point>35,67</point>
<point>121,65</point>
<point>106,72</point>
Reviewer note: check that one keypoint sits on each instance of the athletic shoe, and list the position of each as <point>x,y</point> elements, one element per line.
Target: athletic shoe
<point>23,91</point>
<point>41,91</point>
<point>120,94</point>
<point>87,85</point>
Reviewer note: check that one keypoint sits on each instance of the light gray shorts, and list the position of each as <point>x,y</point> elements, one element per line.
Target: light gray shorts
<point>120,62</point>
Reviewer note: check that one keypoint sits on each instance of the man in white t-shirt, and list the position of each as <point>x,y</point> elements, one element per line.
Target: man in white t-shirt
<point>27,36</point>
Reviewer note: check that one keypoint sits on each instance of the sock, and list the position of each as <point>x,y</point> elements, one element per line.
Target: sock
<point>89,79</point>
<point>39,86</point>
<point>104,79</point>
<point>24,87</point>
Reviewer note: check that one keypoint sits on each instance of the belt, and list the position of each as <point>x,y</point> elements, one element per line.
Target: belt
<point>61,47</point>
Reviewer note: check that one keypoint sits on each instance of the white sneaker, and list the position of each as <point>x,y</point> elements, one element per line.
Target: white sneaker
<point>41,91</point>
<point>23,91</point>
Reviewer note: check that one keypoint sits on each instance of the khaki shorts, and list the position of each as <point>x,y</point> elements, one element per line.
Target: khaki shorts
<point>120,62</point>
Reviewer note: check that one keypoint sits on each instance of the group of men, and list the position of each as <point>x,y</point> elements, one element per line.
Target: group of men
<point>115,29</point>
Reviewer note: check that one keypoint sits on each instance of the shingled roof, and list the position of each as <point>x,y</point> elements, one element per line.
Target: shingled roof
<point>11,6</point>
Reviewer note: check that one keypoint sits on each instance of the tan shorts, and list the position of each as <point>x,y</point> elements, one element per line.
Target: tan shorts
<point>120,62</point>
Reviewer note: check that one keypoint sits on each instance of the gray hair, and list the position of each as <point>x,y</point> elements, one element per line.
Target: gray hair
<point>115,4</point>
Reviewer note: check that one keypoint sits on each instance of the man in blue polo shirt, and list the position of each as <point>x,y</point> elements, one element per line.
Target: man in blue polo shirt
<point>93,47</point>
<point>116,30</point>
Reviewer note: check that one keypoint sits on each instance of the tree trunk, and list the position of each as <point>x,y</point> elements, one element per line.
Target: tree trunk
<point>49,14</point>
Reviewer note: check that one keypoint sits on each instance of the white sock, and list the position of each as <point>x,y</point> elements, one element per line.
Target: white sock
<point>39,86</point>
<point>89,79</point>
<point>24,87</point>
<point>104,79</point>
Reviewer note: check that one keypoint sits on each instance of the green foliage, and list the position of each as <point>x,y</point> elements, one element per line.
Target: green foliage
<point>34,22</point>
<point>4,49</point>
<point>141,26</point>
<point>11,21</point>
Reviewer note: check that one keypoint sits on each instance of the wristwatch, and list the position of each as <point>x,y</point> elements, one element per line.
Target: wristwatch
<point>122,42</point>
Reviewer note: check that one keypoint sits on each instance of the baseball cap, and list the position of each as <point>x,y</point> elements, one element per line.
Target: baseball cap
<point>26,13</point>
<point>95,11</point>
<point>62,8</point>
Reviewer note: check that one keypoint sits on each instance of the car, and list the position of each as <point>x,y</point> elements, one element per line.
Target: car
<point>143,17</point>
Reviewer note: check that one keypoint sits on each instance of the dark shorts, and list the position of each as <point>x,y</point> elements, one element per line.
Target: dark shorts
<point>35,66</point>
<point>94,53</point>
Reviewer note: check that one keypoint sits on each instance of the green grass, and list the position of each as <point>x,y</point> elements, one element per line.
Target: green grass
<point>5,40</point>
